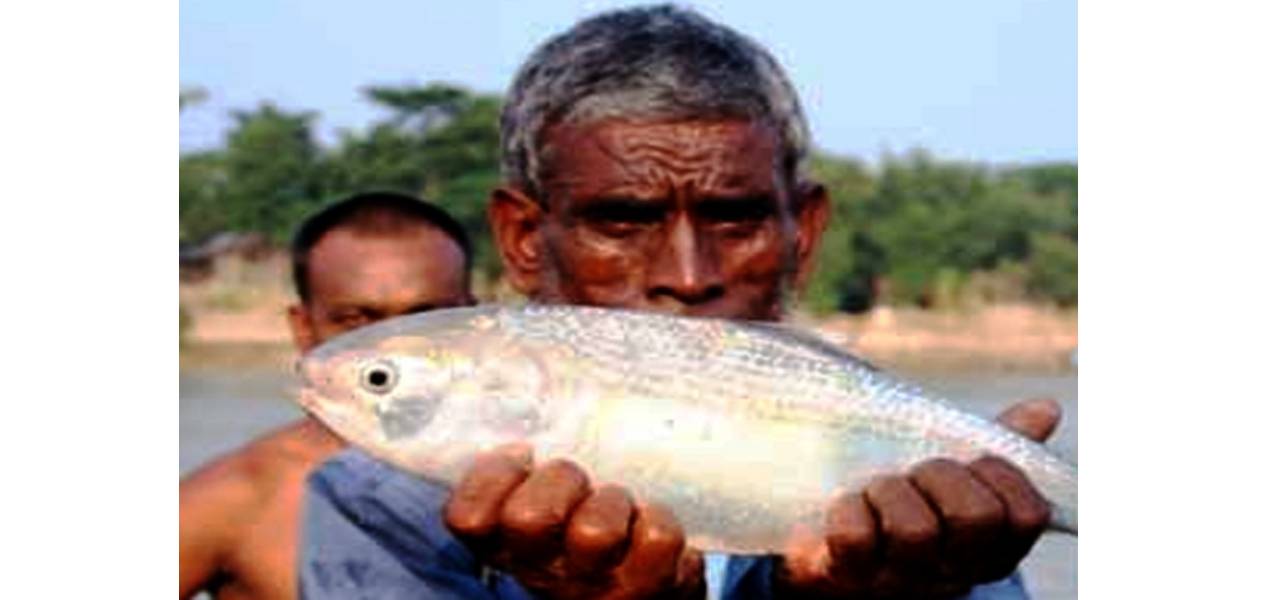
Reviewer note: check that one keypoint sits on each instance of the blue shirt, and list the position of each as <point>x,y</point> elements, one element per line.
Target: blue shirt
<point>372,531</point>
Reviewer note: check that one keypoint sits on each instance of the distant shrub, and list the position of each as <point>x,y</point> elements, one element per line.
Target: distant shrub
<point>1052,268</point>
<point>185,323</point>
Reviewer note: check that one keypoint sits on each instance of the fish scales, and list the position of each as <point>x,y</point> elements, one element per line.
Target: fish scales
<point>745,430</point>
<point>741,364</point>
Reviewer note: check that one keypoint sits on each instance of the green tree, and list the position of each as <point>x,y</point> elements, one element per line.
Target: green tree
<point>927,227</point>
<point>1054,185</point>
<point>190,96</point>
<point>385,158</point>
<point>201,178</point>
<point>404,151</point>
<point>466,198</point>
<point>922,220</point>
<point>437,141</point>
<point>843,276</point>
<point>202,181</point>
<point>272,171</point>
<point>1052,268</point>
<point>420,109</point>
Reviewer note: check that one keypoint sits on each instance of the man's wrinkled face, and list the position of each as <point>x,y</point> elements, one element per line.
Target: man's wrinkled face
<point>686,217</point>
<point>358,278</point>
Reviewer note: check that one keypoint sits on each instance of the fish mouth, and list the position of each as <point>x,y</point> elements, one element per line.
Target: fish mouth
<point>305,369</point>
<point>308,399</point>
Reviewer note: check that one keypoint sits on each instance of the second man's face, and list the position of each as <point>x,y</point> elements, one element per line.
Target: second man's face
<point>358,279</point>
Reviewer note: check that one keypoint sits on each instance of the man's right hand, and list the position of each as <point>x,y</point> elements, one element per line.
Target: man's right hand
<point>561,538</point>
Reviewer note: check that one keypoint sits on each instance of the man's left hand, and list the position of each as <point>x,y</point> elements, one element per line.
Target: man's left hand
<point>934,532</point>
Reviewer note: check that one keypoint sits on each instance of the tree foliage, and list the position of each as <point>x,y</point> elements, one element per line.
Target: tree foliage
<point>272,170</point>
<point>190,96</point>
<point>911,230</point>
<point>930,233</point>
<point>437,141</point>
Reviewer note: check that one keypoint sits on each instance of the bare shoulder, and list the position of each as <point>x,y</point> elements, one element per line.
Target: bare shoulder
<point>222,501</point>
<point>236,513</point>
<point>252,472</point>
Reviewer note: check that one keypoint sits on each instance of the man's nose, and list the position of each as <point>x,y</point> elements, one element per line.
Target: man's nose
<point>686,268</point>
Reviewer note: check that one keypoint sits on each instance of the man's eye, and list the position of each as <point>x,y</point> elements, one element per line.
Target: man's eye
<point>622,217</point>
<point>737,218</point>
<point>737,229</point>
<point>626,213</point>
<point>746,210</point>
<point>351,319</point>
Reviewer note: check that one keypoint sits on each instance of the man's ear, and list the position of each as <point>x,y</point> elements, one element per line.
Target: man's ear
<point>811,222</point>
<point>304,334</point>
<point>516,222</point>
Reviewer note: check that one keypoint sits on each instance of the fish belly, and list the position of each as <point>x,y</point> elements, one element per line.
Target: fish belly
<point>738,483</point>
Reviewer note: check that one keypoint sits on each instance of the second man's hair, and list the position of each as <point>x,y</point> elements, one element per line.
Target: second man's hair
<point>371,212</point>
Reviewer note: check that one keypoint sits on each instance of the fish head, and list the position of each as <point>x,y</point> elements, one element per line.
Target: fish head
<point>427,400</point>
<point>382,398</point>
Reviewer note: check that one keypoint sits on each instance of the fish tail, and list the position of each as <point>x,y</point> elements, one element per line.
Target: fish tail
<point>1063,519</point>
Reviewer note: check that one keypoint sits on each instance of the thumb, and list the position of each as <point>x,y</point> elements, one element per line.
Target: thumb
<point>1036,418</point>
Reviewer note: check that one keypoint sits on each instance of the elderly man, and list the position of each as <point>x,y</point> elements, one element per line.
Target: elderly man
<point>653,160</point>
<point>367,258</point>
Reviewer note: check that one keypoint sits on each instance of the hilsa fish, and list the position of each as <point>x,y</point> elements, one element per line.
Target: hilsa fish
<point>745,430</point>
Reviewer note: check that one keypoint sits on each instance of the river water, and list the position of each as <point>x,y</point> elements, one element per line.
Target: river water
<point>222,408</point>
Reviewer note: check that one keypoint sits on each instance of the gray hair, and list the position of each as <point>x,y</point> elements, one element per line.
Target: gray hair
<point>651,63</point>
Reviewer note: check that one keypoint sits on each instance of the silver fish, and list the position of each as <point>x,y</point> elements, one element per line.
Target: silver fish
<point>745,430</point>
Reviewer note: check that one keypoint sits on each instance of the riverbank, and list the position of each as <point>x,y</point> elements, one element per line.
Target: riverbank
<point>237,318</point>
<point>992,338</point>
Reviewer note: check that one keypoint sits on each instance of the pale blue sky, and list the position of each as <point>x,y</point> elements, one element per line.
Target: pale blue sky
<point>992,81</point>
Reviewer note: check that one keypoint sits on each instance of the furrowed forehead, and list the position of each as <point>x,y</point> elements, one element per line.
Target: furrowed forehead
<point>641,160</point>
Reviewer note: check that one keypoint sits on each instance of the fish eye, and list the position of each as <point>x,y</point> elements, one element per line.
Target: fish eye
<point>378,377</point>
